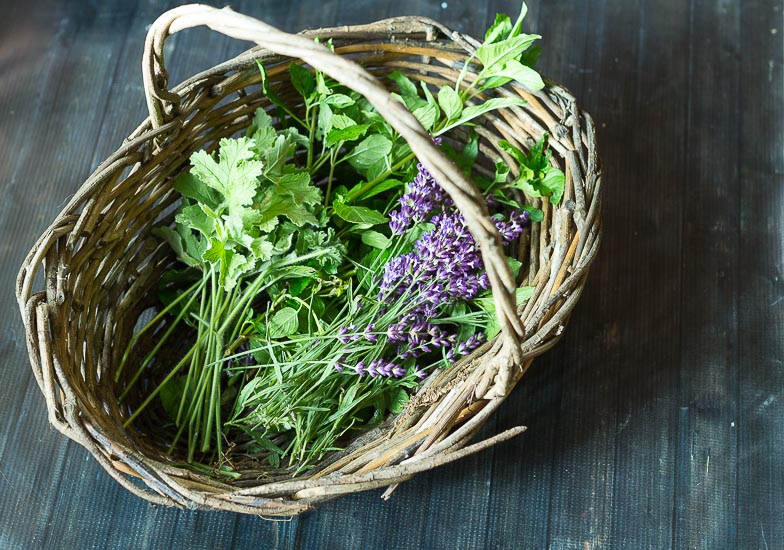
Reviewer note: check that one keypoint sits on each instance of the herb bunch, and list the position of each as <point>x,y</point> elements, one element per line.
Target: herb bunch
<point>326,271</point>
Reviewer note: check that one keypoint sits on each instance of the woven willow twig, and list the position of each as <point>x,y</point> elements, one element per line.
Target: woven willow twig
<point>98,265</point>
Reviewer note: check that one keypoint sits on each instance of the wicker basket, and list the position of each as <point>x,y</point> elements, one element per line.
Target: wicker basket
<point>98,263</point>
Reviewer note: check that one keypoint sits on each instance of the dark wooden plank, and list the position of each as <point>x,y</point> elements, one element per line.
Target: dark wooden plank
<point>705,500</point>
<point>760,276</point>
<point>523,468</point>
<point>75,71</point>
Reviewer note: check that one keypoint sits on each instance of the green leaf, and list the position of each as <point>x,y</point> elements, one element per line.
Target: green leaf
<point>187,185</point>
<point>358,214</point>
<point>450,102</point>
<point>472,112</point>
<point>554,180</point>
<point>385,185</point>
<point>514,70</point>
<point>302,79</point>
<point>234,175</point>
<point>215,253</point>
<point>498,53</point>
<point>399,400</point>
<point>407,88</point>
<point>369,151</point>
<point>500,29</point>
<point>273,205</point>
<point>339,101</point>
<point>171,394</point>
<point>283,323</point>
<point>351,133</point>
<point>375,239</point>
<point>195,217</point>
<point>299,187</point>
<point>341,122</point>
<point>427,115</point>
<point>514,265</point>
<point>536,214</point>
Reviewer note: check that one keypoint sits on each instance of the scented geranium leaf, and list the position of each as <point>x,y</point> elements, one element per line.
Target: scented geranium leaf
<point>262,249</point>
<point>187,185</point>
<point>194,217</point>
<point>215,253</point>
<point>276,156</point>
<point>375,239</point>
<point>450,102</point>
<point>273,205</point>
<point>299,187</point>
<point>302,79</point>
<point>358,214</point>
<point>178,245</point>
<point>234,175</point>
<point>369,151</point>
<point>351,133</point>
<point>233,267</point>
<point>283,323</point>
<point>474,111</point>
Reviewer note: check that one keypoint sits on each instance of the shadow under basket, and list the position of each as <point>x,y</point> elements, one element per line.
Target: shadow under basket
<point>91,279</point>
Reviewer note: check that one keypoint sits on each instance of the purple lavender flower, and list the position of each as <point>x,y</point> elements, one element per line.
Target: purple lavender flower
<point>467,346</point>
<point>423,197</point>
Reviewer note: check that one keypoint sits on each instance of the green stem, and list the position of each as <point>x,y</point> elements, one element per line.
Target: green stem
<point>149,325</point>
<point>356,193</point>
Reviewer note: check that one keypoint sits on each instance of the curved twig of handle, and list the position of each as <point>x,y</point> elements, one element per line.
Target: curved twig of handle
<point>466,196</point>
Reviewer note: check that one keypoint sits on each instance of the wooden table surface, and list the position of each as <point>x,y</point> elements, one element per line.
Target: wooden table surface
<point>657,422</point>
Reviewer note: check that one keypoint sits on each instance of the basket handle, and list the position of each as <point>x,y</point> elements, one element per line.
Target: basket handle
<point>460,188</point>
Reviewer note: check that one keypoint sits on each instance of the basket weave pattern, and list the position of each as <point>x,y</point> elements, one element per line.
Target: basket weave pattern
<point>93,273</point>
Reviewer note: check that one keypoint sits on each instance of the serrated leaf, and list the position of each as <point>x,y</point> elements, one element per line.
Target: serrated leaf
<point>187,185</point>
<point>299,187</point>
<point>427,115</point>
<point>369,151</point>
<point>351,133</point>
<point>358,214</point>
<point>195,217</point>
<point>375,239</point>
<point>234,175</point>
<point>283,323</point>
<point>302,79</point>
<point>339,101</point>
<point>450,102</point>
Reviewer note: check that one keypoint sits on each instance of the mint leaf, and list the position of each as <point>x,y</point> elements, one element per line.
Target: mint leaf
<point>474,111</point>
<point>498,53</point>
<point>283,323</point>
<point>369,151</point>
<point>375,239</point>
<point>358,214</point>
<point>339,101</point>
<point>500,29</point>
<point>302,79</point>
<point>450,102</point>
<point>514,70</point>
<point>427,115</point>
<point>351,133</point>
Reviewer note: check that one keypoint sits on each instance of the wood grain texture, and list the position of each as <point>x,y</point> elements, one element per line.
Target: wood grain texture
<point>658,420</point>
